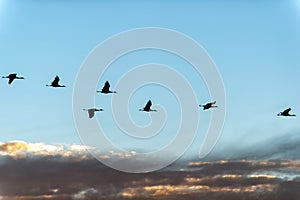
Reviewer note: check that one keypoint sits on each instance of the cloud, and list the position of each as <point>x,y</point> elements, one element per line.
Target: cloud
<point>20,149</point>
<point>285,146</point>
<point>40,171</point>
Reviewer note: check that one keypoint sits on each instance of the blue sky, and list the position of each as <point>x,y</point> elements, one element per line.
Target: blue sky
<point>255,45</point>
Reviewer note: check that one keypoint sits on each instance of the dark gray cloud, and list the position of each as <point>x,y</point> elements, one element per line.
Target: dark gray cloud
<point>30,171</point>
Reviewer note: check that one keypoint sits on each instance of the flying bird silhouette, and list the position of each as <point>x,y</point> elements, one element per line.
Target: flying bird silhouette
<point>91,111</point>
<point>147,108</point>
<point>105,89</point>
<point>286,113</point>
<point>12,77</point>
<point>209,105</point>
<point>55,83</point>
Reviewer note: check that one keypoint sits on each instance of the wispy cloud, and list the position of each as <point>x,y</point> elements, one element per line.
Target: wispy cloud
<point>285,146</point>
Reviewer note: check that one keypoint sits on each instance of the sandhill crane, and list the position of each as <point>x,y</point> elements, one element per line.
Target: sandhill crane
<point>12,77</point>
<point>209,105</point>
<point>286,113</point>
<point>92,111</point>
<point>147,108</point>
<point>55,83</point>
<point>105,89</point>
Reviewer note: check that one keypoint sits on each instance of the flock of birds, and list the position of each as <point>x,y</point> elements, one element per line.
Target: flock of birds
<point>106,90</point>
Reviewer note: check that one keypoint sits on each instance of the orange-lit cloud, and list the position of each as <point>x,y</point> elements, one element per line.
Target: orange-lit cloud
<point>163,191</point>
<point>20,149</point>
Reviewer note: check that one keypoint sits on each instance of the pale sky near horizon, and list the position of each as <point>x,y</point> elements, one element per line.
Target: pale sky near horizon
<point>255,45</point>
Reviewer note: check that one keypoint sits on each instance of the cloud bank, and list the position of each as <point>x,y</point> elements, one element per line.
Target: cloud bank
<point>42,171</point>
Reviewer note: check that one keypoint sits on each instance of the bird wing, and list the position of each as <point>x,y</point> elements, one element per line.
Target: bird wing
<point>212,103</point>
<point>11,80</point>
<point>12,75</point>
<point>55,81</point>
<point>91,113</point>
<point>148,105</point>
<point>286,111</point>
<point>106,86</point>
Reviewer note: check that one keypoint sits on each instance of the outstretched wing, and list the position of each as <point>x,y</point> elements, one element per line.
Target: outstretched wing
<point>55,81</point>
<point>106,86</point>
<point>148,105</point>
<point>286,112</point>
<point>12,75</point>
<point>91,113</point>
<point>212,103</point>
<point>10,80</point>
